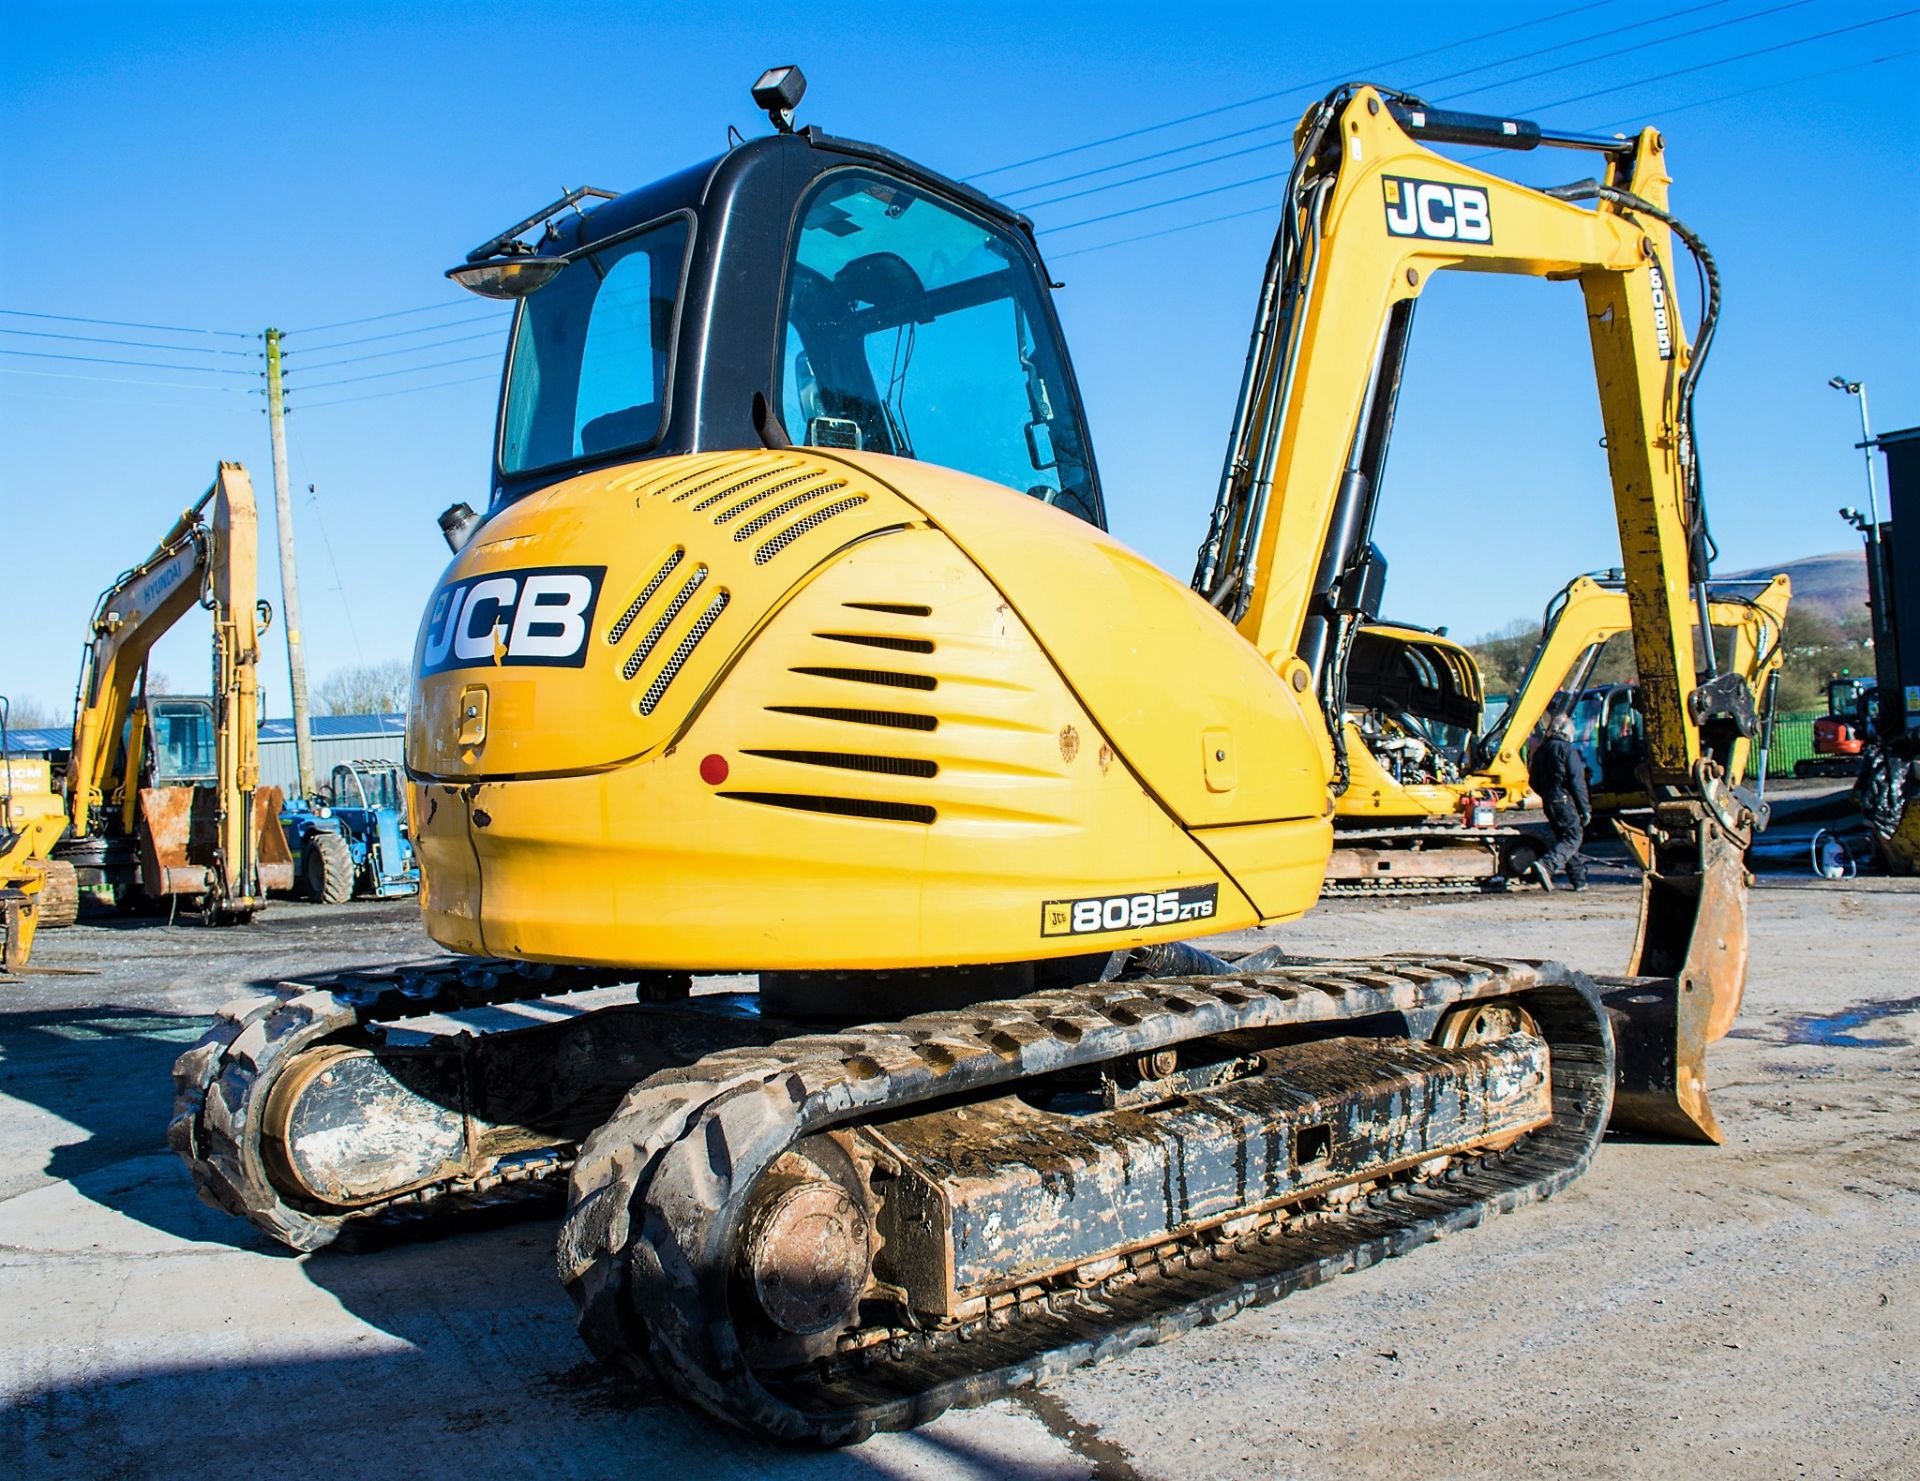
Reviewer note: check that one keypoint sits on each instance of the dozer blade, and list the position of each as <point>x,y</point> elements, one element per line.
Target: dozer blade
<point>1689,973</point>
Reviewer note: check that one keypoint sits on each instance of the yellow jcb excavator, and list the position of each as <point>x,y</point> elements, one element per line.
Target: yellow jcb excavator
<point>162,793</point>
<point>1422,813</point>
<point>791,642</point>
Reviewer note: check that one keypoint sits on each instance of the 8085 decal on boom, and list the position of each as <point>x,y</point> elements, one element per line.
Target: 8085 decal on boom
<point>1128,912</point>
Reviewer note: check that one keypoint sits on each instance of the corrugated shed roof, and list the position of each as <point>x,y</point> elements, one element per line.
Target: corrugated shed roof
<point>34,740</point>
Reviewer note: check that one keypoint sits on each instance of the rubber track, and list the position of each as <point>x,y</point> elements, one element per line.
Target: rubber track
<point>657,1192</point>
<point>220,1085</point>
<point>1344,890</point>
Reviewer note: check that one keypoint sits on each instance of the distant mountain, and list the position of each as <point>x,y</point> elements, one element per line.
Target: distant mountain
<point>1836,583</point>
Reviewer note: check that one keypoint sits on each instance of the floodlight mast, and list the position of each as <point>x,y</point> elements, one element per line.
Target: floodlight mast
<point>1872,529</point>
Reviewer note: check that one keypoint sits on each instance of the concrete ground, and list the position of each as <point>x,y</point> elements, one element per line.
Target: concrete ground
<point>1746,1311</point>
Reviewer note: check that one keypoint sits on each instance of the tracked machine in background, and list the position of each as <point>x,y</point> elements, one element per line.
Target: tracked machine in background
<point>791,643</point>
<point>162,792</point>
<point>1422,813</point>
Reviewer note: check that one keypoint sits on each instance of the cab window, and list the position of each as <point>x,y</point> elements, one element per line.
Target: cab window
<point>916,329</point>
<point>181,740</point>
<point>588,370</point>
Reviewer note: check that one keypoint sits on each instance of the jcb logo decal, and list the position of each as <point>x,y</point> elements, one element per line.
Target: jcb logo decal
<point>1441,213</point>
<point>510,618</point>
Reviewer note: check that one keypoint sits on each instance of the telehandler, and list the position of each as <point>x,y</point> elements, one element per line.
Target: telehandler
<point>1421,814</point>
<point>791,642</point>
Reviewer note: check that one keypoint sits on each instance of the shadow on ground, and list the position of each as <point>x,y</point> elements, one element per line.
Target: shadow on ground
<point>427,1357</point>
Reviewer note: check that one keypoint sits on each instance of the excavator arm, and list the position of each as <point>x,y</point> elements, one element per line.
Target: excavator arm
<point>209,558</point>
<point>1372,214</point>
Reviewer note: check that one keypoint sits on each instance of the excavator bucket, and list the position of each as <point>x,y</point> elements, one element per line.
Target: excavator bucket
<point>1687,976</point>
<point>166,843</point>
<point>272,858</point>
<point>180,847</point>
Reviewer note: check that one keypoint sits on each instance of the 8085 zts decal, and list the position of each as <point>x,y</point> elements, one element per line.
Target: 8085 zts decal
<point>535,616</point>
<point>1128,912</point>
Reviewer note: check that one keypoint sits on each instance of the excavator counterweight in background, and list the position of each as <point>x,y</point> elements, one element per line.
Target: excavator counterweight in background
<point>791,642</point>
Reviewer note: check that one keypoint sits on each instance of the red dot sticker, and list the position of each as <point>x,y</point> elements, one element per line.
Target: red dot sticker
<point>713,770</point>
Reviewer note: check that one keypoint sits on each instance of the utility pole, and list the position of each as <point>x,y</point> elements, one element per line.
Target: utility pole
<point>289,580</point>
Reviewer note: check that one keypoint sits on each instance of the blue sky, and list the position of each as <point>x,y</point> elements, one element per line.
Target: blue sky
<point>224,167</point>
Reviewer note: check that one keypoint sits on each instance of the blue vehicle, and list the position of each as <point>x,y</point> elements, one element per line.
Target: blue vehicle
<point>355,839</point>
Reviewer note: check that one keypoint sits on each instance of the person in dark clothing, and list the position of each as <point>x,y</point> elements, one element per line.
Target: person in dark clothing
<point>1559,775</point>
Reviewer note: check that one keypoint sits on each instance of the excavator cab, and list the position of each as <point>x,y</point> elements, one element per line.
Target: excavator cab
<point>180,745</point>
<point>906,314</point>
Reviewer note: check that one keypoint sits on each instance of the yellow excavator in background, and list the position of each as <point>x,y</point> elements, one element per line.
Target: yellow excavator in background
<point>36,891</point>
<point>162,793</point>
<point>1422,813</point>
<point>1608,724</point>
<point>792,643</point>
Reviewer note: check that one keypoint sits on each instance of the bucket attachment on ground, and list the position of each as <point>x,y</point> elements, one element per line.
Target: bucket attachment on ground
<point>1686,978</point>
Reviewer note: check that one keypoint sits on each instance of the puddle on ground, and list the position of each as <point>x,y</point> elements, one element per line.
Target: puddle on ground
<point>1835,1030</point>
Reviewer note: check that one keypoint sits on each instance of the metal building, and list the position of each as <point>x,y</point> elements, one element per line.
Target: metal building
<point>336,738</point>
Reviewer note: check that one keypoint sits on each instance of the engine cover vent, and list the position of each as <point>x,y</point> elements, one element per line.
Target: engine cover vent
<point>846,807</point>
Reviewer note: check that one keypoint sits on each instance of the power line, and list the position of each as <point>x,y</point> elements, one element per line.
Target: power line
<point>1154,128</point>
<point>1671,15</point>
<point>1167,231</point>
<point>137,344</point>
<point>1725,61</point>
<point>1739,20</point>
<point>377,318</point>
<point>1212,159</point>
<point>367,339</point>
<point>326,541</point>
<point>437,344</point>
<point>472,380</point>
<point>1288,123</point>
<point>117,398</point>
<point>380,375</point>
<point>1420,86</point>
<point>1663,110</point>
<point>1170,201</point>
<point>1538,108</point>
<point>1892,56</point>
<point>124,324</point>
<point>1141,159</point>
<point>121,380</point>
<point>149,364</point>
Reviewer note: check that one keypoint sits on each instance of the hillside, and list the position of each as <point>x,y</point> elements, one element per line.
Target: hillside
<point>1826,633</point>
<point>1836,584</point>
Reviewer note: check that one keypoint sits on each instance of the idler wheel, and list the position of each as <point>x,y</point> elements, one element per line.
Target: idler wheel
<point>806,1252</point>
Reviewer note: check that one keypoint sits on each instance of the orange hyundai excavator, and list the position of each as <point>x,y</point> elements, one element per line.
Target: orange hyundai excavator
<point>791,643</point>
